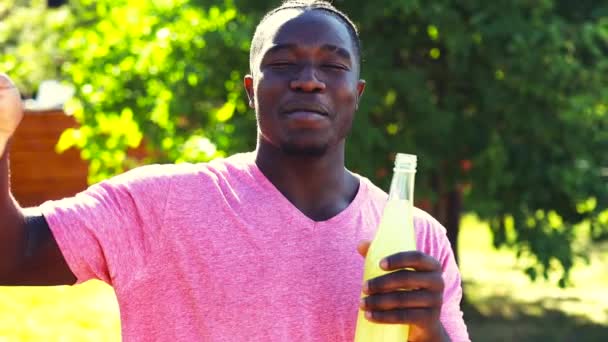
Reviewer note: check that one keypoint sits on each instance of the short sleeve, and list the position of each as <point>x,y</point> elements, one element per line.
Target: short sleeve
<point>432,239</point>
<point>107,231</point>
<point>451,314</point>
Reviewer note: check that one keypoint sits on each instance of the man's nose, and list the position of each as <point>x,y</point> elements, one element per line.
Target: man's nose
<point>306,80</point>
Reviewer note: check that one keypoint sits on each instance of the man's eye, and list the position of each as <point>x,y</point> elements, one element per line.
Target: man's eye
<point>280,65</point>
<point>334,66</point>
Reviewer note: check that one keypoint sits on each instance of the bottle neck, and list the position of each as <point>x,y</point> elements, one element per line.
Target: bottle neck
<point>402,186</point>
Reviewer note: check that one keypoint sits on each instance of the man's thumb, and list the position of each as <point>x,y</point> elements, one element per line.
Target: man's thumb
<point>363,246</point>
<point>5,81</point>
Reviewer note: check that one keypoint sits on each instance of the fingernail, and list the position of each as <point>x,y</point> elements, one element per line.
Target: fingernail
<point>362,303</point>
<point>384,264</point>
<point>368,314</point>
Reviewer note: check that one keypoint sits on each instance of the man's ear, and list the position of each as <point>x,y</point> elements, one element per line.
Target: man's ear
<point>360,90</point>
<point>248,83</point>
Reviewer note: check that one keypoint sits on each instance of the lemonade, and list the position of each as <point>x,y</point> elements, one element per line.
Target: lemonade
<point>395,234</point>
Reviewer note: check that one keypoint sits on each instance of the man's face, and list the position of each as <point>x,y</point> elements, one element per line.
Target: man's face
<point>304,86</point>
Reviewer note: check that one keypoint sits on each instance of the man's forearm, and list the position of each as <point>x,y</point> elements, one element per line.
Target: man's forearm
<point>11,222</point>
<point>444,337</point>
<point>437,334</point>
<point>441,335</point>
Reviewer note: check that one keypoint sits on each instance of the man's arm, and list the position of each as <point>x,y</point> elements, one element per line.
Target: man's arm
<point>29,254</point>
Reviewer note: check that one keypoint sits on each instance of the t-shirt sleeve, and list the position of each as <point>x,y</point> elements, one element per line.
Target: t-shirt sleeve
<point>451,314</point>
<point>106,232</point>
<point>433,240</point>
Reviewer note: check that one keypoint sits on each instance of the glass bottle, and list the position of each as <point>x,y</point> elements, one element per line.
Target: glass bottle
<point>394,234</point>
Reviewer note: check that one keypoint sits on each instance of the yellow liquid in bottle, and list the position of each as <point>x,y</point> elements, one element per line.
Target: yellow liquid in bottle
<point>395,234</point>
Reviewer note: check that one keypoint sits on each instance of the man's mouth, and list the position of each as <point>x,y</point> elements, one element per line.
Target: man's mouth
<point>306,116</point>
<point>305,109</point>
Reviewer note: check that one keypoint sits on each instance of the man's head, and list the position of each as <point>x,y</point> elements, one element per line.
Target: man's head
<point>303,6</point>
<point>304,82</point>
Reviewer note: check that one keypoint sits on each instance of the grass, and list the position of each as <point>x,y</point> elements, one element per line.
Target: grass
<point>86,313</point>
<point>501,303</point>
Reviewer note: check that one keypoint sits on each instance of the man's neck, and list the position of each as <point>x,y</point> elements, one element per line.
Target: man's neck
<point>320,187</point>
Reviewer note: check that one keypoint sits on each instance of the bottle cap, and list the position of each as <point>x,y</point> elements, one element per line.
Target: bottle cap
<point>405,162</point>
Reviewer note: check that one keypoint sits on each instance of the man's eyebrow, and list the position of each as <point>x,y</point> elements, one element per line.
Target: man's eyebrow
<point>280,47</point>
<point>342,52</point>
<point>336,49</point>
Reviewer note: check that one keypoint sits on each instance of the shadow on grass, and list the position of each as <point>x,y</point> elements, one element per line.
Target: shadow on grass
<point>499,319</point>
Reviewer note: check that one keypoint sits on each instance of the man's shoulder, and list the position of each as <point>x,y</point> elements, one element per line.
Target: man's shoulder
<point>153,173</point>
<point>423,221</point>
<point>427,221</point>
<point>376,196</point>
<point>184,171</point>
<point>240,162</point>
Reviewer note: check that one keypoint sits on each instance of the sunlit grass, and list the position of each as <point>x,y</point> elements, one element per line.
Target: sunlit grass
<point>504,304</point>
<point>87,313</point>
<point>510,307</point>
<point>498,273</point>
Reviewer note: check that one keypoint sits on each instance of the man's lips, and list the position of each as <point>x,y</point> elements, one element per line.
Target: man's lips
<point>312,108</point>
<point>303,111</point>
<point>307,119</point>
<point>306,115</point>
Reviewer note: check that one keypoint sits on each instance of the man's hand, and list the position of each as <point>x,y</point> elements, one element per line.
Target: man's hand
<point>11,110</point>
<point>419,306</point>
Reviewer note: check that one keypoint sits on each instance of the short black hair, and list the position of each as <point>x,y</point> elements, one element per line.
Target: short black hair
<point>308,5</point>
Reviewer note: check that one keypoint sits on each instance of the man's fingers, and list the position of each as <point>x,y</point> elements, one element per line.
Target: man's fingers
<point>412,259</point>
<point>401,300</point>
<point>6,82</point>
<point>405,280</point>
<point>408,316</point>
<point>11,110</point>
<point>363,247</point>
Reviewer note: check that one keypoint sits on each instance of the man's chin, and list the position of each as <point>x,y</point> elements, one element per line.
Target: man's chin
<point>304,151</point>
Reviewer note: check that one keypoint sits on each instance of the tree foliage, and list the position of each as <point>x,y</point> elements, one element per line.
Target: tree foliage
<point>29,39</point>
<point>166,70</point>
<point>506,100</point>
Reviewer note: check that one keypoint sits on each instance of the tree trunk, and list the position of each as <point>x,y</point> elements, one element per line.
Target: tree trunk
<point>447,210</point>
<point>452,222</point>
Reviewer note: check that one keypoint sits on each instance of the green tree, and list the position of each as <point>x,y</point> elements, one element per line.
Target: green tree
<point>505,99</point>
<point>29,42</point>
<point>167,70</point>
<point>505,102</point>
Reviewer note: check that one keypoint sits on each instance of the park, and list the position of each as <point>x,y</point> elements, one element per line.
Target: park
<point>504,103</point>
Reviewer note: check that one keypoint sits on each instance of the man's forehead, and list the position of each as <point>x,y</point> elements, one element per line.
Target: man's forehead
<point>297,28</point>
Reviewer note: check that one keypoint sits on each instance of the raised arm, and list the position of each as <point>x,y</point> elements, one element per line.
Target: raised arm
<point>29,254</point>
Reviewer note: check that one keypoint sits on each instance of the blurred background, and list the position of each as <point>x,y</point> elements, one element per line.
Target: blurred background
<point>505,102</point>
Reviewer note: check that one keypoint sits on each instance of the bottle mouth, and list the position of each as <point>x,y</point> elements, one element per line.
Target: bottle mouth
<point>405,162</point>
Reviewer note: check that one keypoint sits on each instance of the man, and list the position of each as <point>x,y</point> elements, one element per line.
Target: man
<point>260,246</point>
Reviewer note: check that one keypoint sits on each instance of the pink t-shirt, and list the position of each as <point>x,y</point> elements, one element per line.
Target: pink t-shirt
<point>214,252</point>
